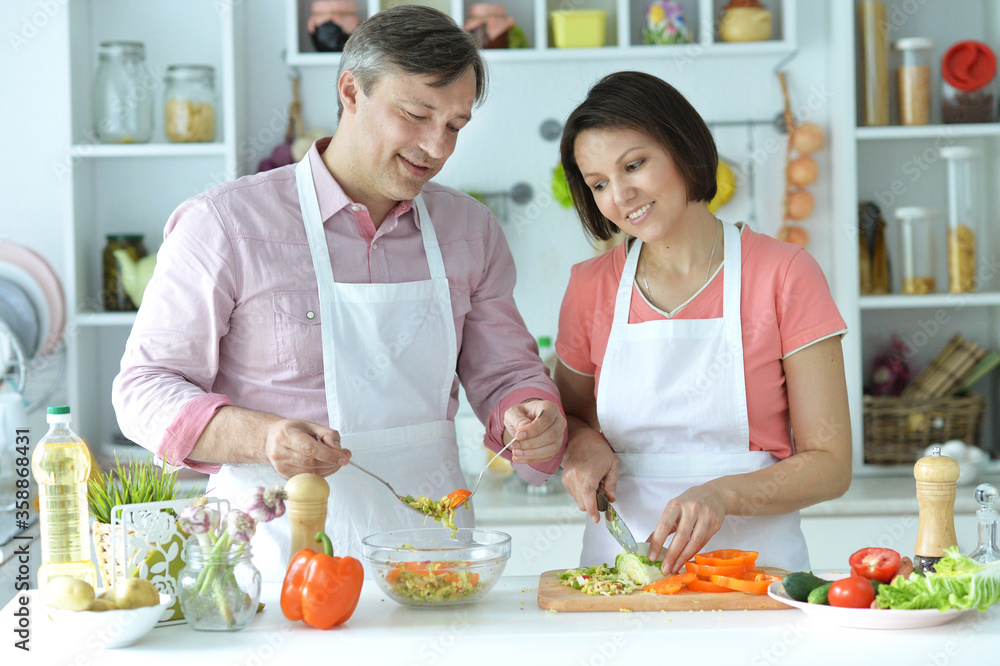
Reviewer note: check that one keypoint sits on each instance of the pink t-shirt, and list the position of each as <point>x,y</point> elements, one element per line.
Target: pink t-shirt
<point>785,305</point>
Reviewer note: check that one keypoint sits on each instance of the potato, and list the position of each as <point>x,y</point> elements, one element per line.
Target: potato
<point>67,593</point>
<point>101,605</point>
<point>136,593</point>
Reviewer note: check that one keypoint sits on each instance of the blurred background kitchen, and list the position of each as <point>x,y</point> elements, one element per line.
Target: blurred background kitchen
<point>71,197</point>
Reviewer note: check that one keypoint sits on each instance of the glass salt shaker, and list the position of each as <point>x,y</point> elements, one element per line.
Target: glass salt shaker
<point>988,550</point>
<point>123,94</point>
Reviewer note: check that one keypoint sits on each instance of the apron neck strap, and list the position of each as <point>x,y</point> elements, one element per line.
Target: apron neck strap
<point>435,262</point>
<point>731,285</point>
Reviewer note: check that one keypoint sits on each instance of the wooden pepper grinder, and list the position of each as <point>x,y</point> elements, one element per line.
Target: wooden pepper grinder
<point>936,476</point>
<point>307,497</point>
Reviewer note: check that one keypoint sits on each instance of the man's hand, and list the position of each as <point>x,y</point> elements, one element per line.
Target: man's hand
<point>589,460</point>
<point>295,447</point>
<point>537,428</point>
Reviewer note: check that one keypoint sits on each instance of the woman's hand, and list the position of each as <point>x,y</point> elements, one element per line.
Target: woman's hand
<point>693,517</point>
<point>589,460</point>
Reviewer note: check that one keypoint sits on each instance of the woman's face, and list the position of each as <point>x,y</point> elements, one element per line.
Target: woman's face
<point>634,181</point>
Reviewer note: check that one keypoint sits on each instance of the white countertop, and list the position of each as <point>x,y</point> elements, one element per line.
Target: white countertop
<point>508,623</point>
<point>503,500</point>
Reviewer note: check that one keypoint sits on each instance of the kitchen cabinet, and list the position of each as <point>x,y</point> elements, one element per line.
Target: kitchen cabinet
<point>897,166</point>
<point>133,188</point>
<point>623,31</point>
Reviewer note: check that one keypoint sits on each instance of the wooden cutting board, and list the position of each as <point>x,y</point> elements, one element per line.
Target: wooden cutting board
<point>553,595</point>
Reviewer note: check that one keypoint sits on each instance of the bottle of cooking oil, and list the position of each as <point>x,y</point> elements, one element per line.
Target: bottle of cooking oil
<point>61,466</point>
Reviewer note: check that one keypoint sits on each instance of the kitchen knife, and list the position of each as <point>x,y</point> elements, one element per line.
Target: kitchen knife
<point>616,526</point>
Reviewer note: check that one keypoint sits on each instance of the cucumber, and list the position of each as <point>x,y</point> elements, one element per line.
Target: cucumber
<point>820,595</point>
<point>799,584</point>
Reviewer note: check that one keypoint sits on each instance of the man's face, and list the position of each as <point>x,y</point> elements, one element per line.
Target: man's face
<point>404,132</point>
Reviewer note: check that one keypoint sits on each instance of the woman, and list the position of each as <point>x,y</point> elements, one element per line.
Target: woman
<point>690,353</point>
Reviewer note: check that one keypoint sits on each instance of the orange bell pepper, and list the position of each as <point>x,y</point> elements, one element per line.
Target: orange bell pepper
<point>706,571</point>
<point>752,582</point>
<point>458,496</point>
<point>320,589</point>
<point>728,557</point>
<point>670,584</point>
<point>706,586</point>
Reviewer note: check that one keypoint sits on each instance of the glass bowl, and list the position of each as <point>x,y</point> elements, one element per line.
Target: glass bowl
<point>430,568</point>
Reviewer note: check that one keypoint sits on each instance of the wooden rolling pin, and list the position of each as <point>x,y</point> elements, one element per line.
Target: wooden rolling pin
<point>307,497</point>
<point>936,476</point>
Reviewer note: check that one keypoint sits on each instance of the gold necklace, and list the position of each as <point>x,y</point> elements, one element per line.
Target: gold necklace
<point>708,270</point>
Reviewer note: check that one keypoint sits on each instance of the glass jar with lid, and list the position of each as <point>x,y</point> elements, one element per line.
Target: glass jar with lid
<point>913,80</point>
<point>965,215</point>
<point>123,94</point>
<point>968,89</point>
<point>113,296</point>
<point>189,112</point>
<point>916,234</point>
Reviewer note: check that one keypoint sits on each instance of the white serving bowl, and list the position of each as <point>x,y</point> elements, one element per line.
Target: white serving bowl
<point>107,629</point>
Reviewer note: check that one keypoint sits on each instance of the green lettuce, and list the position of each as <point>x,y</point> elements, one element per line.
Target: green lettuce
<point>958,582</point>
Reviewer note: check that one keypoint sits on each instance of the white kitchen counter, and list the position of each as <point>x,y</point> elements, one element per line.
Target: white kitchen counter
<point>502,500</point>
<point>508,623</point>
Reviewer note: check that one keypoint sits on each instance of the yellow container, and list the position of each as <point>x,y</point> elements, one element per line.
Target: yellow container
<point>579,28</point>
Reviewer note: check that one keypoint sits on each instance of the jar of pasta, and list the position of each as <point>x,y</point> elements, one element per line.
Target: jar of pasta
<point>913,80</point>
<point>916,235</point>
<point>965,215</point>
<point>189,112</point>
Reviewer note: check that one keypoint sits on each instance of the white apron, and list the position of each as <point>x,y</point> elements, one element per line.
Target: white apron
<point>672,403</point>
<point>389,356</point>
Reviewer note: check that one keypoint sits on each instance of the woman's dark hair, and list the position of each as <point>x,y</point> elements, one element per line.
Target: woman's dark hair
<point>647,104</point>
<point>416,40</point>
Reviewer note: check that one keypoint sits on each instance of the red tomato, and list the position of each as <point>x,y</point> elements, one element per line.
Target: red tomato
<point>852,592</point>
<point>879,564</point>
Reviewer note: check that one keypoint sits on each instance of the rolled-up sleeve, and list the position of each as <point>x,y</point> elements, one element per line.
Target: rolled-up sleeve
<point>498,363</point>
<point>163,393</point>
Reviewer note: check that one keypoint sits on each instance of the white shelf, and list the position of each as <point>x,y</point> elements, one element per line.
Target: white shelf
<point>896,132</point>
<point>906,301</point>
<point>673,51</point>
<point>89,150</point>
<point>96,319</point>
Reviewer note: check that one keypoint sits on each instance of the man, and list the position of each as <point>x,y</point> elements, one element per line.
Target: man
<point>329,304</point>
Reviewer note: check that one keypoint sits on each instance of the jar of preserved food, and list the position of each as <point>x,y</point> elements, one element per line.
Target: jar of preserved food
<point>123,94</point>
<point>965,215</point>
<point>968,92</point>
<point>913,80</point>
<point>916,234</point>
<point>113,296</point>
<point>189,114</point>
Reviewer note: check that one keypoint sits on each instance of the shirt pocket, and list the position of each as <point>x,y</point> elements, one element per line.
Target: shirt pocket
<point>298,336</point>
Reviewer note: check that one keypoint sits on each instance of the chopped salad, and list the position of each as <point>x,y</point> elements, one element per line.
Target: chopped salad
<point>442,510</point>
<point>433,582</point>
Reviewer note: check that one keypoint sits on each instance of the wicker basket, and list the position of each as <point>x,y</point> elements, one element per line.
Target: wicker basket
<point>104,546</point>
<point>897,430</point>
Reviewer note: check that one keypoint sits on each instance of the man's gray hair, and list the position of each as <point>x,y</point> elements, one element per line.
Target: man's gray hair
<point>415,40</point>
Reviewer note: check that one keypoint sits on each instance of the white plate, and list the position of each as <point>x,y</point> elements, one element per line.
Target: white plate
<point>23,279</point>
<point>51,307</point>
<point>866,618</point>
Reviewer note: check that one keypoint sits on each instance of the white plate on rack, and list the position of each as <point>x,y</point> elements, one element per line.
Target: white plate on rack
<point>866,618</point>
<point>30,271</point>
<point>17,310</point>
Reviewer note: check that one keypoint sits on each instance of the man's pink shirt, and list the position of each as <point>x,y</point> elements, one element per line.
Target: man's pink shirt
<point>226,318</point>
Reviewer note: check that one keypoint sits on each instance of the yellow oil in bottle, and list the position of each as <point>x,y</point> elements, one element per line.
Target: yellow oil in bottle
<point>61,466</point>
